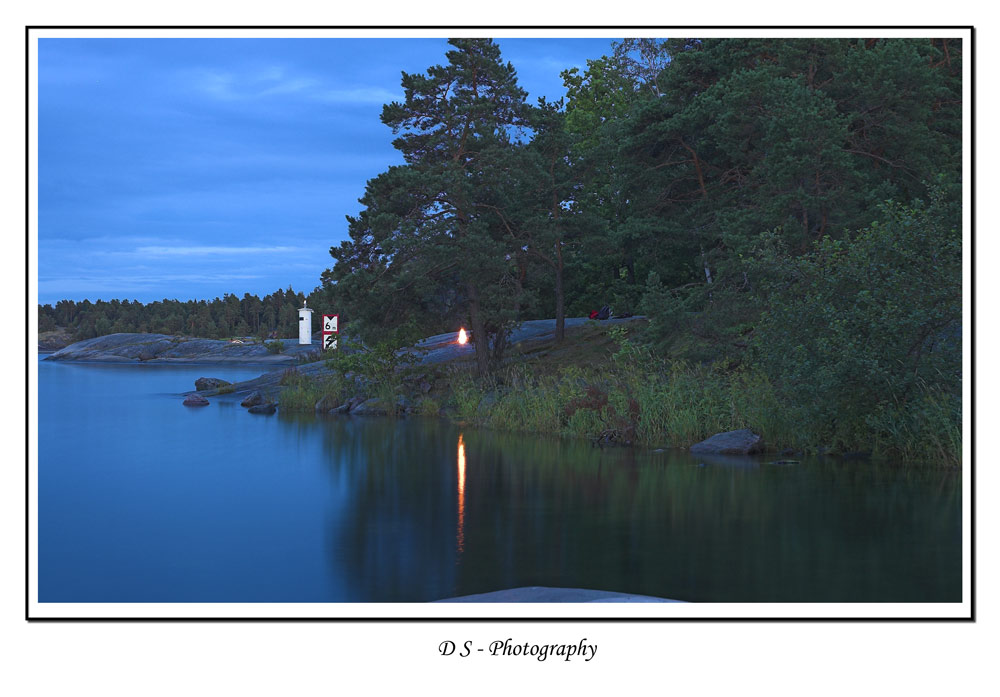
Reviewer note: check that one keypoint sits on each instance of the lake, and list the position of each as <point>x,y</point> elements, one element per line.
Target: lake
<point>144,500</point>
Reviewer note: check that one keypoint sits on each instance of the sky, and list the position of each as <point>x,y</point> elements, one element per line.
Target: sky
<point>191,168</point>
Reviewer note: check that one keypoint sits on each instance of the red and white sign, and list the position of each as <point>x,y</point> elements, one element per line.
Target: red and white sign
<point>330,331</point>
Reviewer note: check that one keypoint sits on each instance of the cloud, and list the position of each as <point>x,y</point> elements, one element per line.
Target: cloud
<point>276,81</point>
<point>180,251</point>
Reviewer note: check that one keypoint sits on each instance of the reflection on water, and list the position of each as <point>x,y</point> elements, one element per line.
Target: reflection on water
<point>460,535</point>
<point>144,500</point>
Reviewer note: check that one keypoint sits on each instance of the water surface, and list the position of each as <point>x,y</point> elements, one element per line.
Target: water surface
<point>144,500</point>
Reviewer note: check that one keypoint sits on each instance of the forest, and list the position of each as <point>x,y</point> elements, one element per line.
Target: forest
<point>785,212</point>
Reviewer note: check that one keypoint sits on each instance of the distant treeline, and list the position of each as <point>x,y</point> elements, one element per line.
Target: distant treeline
<point>216,319</point>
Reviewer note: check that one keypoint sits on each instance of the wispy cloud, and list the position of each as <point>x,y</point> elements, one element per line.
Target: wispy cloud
<point>180,251</point>
<point>277,81</point>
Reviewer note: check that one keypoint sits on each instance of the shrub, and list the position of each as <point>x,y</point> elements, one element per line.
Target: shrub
<point>276,346</point>
<point>859,332</point>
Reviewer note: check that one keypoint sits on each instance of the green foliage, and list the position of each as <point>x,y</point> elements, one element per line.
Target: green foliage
<point>276,346</point>
<point>860,329</point>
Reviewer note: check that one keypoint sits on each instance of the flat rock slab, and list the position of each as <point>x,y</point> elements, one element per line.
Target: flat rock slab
<point>542,594</point>
<point>162,348</point>
<point>445,347</point>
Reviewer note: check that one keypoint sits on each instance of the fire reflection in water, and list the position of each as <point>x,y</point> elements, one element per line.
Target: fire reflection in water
<point>460,534</point>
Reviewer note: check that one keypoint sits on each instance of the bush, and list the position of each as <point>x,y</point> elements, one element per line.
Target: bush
<point>276,346</point>
<point>859,332</point>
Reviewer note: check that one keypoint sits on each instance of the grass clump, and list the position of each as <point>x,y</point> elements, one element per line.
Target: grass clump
<point>301,393</point>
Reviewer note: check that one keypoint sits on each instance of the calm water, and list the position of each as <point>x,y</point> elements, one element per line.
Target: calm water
<point>144,500</point>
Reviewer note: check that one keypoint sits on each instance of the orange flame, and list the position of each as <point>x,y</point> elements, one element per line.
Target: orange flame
<point>462,337</point>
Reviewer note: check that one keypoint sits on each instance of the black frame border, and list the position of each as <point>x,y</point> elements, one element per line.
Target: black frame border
<point>28,354</point>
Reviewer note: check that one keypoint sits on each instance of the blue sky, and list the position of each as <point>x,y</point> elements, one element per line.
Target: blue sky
<point>188,168</point>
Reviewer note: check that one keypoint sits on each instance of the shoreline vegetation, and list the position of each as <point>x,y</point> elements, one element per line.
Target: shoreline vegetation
<point>612,391</point>
<point>601,383</point>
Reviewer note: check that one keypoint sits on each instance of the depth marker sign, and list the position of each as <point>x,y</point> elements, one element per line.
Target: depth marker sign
<point>330,331</point>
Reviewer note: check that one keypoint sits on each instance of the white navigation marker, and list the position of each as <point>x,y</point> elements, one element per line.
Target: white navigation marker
<point>305,325</point>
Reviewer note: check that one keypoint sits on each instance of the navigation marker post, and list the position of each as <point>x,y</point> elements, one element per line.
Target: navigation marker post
<point>305,325</point>
<point>330,331</point>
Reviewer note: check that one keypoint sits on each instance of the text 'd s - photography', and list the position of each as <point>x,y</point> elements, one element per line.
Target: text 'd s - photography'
<point>649,324</point>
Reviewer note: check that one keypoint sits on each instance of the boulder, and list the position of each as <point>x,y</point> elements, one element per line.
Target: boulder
<point>342,409</point>
<point>209,383</point>
<point>742,442</point>
<point>195,400</point>
<point>263,408</point>
<point>253,399</point>
<point>370,407</point>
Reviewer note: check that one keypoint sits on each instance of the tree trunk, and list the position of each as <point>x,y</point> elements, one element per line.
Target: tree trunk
<point>560,297</point>
<point>479,338</point>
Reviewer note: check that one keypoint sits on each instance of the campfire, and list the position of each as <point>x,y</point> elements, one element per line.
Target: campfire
<point>463,338</point>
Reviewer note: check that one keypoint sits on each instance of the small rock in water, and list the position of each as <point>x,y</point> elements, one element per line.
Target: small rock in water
<point>195,400</point>
<point>252,399</point>
<point>210,383</point>
<point>263,409</point>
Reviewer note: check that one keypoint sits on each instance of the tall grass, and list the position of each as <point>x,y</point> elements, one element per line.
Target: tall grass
<point>301,393</point>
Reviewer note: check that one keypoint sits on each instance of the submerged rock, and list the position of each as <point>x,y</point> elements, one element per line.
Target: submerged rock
<point>741,442</point>
<point>210,383</point>
<point>263,408</point>
<point>195,400</point>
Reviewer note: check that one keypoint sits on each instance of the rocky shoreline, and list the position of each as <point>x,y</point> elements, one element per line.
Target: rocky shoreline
<point>163,348</point>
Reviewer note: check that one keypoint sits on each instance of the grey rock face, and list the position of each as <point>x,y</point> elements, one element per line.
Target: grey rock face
<point>177,349</point>
<point>263,409</point>
<point>741,442</point>
<point>370,407</point>
<point>195,400</point>
<point>210,383</point>
<point>252,399</point>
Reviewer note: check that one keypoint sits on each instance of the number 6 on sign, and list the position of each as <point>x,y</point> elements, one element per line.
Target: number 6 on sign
<point>329,342</point>
<point>330,323</point>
